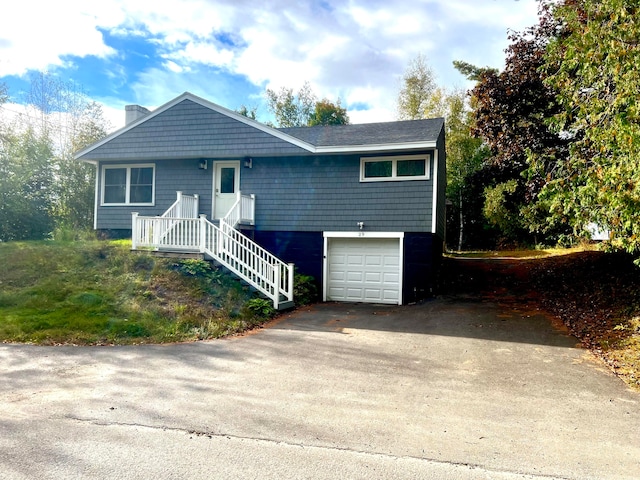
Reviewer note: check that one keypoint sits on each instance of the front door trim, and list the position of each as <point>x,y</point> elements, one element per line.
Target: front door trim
<point>218,209</point>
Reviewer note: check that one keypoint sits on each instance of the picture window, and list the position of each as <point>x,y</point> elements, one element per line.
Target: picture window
<point>128,185</point>
<point>401,168</point>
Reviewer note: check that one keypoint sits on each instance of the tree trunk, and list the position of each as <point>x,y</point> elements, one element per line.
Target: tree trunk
<point>461,230</point>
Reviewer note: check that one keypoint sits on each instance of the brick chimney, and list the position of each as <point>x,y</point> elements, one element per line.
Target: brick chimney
<point>133,113</point>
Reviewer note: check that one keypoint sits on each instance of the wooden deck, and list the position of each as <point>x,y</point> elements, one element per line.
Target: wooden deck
<point>172,254</point>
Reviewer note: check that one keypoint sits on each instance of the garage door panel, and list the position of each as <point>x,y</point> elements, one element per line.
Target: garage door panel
<point>392,262</point>
<point>373,260</point>
<point>355,260</point>
<point>374,277</point>
<point>339,260</point>
<point>357,277</point>
<point>391,278</point>
<point>336,293</point>
<point>372,296</point>
<point>364,270</point>
<point>354,294</point>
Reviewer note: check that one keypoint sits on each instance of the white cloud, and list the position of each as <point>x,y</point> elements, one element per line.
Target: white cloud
<point>202,52</point>
<point>356,50</point>
<point>173,67</point>
<point>372,115</point>
<point>114,115</point>
<point>37,35</point>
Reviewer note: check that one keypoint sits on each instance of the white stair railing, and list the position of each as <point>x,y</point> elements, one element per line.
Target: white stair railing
<point>249,261</point>
<point>238,253</point>
<point>243,211</point>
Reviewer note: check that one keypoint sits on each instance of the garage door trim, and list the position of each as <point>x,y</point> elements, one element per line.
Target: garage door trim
<point>360,234</point>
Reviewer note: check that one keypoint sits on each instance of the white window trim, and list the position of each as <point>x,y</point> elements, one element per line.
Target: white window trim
<point>394,159</point>
<point>434,212</point>
<point>128,167</point>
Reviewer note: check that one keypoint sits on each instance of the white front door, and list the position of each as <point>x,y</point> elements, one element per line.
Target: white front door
<point>226,184</point>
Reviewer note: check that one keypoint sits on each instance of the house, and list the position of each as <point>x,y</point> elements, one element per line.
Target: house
<point>359,207</point>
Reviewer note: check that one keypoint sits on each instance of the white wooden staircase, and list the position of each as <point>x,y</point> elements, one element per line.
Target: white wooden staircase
<point>181,230</point>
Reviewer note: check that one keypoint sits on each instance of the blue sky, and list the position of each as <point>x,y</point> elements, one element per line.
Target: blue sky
<point>229,51</point>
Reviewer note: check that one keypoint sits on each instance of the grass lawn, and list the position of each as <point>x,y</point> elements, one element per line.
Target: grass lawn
<point>92,293</point>
<point>100,293</point>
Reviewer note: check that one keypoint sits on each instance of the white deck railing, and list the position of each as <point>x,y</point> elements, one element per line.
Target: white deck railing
<point>185,206</point>
<point>225,244</point>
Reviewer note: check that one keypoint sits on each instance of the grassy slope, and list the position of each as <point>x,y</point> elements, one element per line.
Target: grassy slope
<point>101,293</point>
<point>596,294</point>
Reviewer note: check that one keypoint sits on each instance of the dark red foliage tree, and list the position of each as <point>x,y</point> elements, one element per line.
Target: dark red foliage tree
<point>512,110</point>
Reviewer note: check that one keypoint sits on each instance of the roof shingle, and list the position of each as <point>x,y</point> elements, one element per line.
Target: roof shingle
<point>369,133</point>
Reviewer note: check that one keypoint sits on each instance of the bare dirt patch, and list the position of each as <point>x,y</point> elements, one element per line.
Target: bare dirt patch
<point>595,295</point>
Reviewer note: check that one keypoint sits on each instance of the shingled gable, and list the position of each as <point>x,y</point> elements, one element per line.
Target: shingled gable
<point>191,127</point>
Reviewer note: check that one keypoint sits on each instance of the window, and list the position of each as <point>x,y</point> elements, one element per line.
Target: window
<point>382,169</point>
<point>227,179</point>
<point>405,167</point>
<point>130,185</point>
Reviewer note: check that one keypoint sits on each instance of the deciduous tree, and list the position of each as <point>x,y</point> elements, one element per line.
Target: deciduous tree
<point>420,97</point>
<point>291,109</point>
<point>416,92</point>
<point>328,113</point>
<point>512,110</point>
<point>303,110</point>
<point>465,156</point>
<point>73,209</point>
<point>249,112</point>
<point>26,185</point>
<point>41,186</point>
<point>593,63</point>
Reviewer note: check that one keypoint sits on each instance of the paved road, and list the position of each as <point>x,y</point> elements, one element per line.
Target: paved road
<point>449,389</point>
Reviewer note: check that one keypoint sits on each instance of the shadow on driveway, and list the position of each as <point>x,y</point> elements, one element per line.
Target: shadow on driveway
<point>451,317</point>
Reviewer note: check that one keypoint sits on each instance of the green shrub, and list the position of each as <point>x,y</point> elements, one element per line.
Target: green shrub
<point>305,290</point>
<point>261,307</point>
<point>194,268</point>
<point>65,233</point>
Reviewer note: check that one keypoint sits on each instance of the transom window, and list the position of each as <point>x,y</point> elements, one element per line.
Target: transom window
<point>128,185</point>
<point>405,167</point>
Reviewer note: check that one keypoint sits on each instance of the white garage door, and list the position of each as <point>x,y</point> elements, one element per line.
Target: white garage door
<point>363,270</point>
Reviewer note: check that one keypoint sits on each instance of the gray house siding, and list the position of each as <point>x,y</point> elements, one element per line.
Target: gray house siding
<point>306,181</point>
<point>170,177</point>
<point>311,194</point>
<point>190,130</point>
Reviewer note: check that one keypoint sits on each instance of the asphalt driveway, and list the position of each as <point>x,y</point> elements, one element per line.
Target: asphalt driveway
<point>451,388</point>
